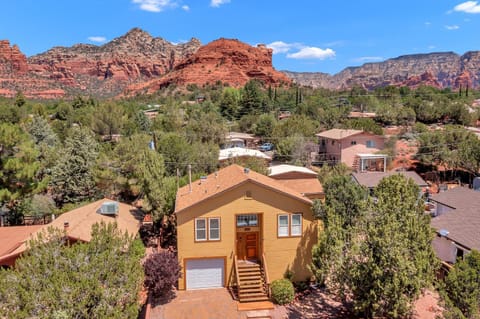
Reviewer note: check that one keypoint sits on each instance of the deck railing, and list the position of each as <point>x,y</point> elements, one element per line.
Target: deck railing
<point>265,269</point>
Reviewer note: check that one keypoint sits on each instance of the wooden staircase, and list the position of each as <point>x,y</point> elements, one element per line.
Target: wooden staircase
<point>356,164</point>
<point>251,282</point>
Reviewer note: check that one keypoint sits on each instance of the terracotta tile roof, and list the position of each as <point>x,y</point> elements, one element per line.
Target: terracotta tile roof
<point>371,179</point>
<point>226,179</point>
<point>81,220</point>
<point>338,134</point>
<point>14,236</point>
<point>458,197</point>
<point>463,226</point>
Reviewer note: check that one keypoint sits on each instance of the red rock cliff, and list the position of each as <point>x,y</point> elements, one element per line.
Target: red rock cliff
<point>226,60</point>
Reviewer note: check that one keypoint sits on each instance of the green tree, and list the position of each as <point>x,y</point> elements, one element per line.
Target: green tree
<point>229,103</point>
<point>18,169</point>
<point>99,279</point>
<point>108,119</point>
<point>72,176</point>
<point>253,100</point>
<point>462,287</point>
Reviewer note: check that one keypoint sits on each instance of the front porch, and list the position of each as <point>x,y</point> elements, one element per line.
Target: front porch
<point>370,163</point>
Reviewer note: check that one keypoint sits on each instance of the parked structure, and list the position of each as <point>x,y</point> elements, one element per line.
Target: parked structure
<point>236,139</point>
<point>355,148</point>
<point>240,229</point>
<point>240,152</point>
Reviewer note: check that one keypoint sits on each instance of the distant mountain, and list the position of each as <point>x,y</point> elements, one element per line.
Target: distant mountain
<point>444,69</point>
<point>87,69</point>
<point>226,60</point>
<point>139,63</point>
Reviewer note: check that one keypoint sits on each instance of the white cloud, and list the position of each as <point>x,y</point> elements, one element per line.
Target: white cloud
<point>312,53</point>
<point>282,47</point>
<point>452,27</point>
<point>97,39</point>
<point>155,5</point>
<point>428,23</point>
<point>431,47</point>
<point>364,59</point>
<point>468,7</point>
<point>218,3</point>
<point>185,8</point>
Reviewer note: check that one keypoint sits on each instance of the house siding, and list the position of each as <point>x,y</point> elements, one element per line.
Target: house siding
<point>349,151</point>
<point>293,253</point>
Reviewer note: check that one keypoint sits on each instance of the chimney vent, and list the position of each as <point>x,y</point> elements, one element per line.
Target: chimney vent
<point>246,170</point>
<point>66,225</point>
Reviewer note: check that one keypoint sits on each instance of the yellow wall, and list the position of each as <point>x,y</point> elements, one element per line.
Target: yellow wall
<point>292,253</point>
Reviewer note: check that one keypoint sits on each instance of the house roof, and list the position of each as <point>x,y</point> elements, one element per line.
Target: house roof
<point>338,134</point>
<point>238,135</point>
<point>306,186</point>
<point>224,180</point>
<point>284,168</point>
<point>463,226</point>
<point>458,197</point>
<point>81,220</point>
<point>13,236</point>
<point>371,179</point>
<point>233,152</point>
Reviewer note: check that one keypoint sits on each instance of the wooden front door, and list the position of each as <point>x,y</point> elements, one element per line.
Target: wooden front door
<point>247,245</point>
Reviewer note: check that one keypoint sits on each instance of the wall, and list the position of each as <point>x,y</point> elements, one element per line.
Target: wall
<point>349,151</point>
<point>292,253</point>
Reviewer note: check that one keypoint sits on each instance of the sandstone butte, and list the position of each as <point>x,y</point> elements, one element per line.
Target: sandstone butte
<point>227,60</point>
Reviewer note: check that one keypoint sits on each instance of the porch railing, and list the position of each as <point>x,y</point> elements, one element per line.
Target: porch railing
<point>265,269</point>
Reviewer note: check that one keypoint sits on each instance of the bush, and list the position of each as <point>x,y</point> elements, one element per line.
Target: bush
<point>162,272</point>
<point>282,291</point>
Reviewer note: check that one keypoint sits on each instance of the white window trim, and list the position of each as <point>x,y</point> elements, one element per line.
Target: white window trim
<point>291,225</point>
<point>196,229</point>
<point>278,226</point>
<point>210,228</point>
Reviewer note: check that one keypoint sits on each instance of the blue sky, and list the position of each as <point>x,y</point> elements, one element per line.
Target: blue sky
<point>310,36</point>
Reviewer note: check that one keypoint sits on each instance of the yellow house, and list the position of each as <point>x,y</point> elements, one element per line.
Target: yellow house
<point>237,228</point>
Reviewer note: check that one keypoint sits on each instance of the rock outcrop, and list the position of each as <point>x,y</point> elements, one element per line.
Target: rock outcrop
<point>86,69</point>
<point>226,60</point>
<point>441,70</point>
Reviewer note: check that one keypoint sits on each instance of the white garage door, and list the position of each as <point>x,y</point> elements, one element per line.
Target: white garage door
<point>205,273</point>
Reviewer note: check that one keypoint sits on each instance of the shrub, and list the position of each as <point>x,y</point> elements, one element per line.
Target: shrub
<point>282,291</point>
<point>162,271</point>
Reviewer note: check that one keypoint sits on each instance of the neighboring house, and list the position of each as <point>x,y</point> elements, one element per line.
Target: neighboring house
<point>236,139</point>
<point>355,148</point>
<point>239,152</point>
<point>77,225</point>
<point>457,223</point>
<point>238,228</point>
<point>371,179</point>
<point>303,180</point>
<point>362,115</point>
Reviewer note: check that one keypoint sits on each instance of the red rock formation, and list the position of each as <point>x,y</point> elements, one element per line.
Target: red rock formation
<point>226,60</point>
<point>415,81</point>
<point>12,61</point>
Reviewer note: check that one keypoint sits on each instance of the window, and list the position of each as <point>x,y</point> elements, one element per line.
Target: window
<point>289,225</point>
<point>296,229</point>
<point>201,230</point>
<point>283,226</point>
<point>214,228</point>
<point>247,220</point>
<point>353,142</point>
<point>370,144</point>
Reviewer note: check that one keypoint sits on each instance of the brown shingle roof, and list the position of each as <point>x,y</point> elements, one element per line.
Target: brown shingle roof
<point>338,134</point>
<point>225,179</point>
<point>81,220</point>
<point>463,226</point>
<point>304,186</point>
<point>458,197</point>
<point>371,179</point>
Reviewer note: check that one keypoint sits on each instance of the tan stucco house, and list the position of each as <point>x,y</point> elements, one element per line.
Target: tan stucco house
<point>355,148</point>
<point>241,229</point>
